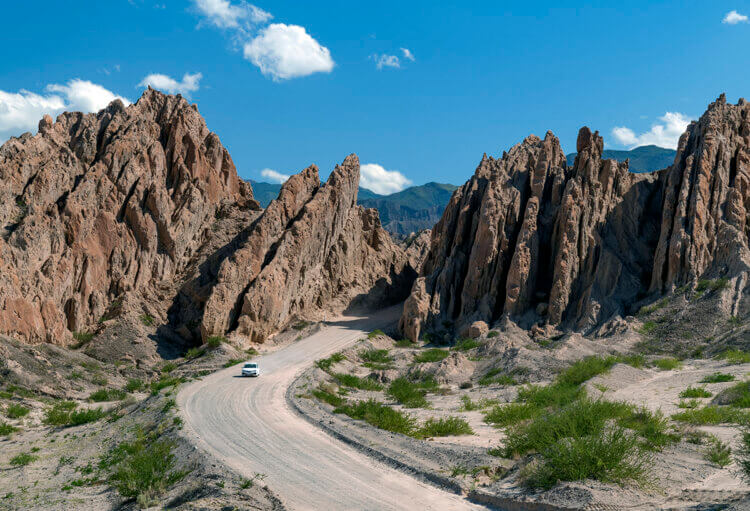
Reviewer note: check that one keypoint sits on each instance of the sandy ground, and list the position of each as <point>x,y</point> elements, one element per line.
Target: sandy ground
<point>249,426</point>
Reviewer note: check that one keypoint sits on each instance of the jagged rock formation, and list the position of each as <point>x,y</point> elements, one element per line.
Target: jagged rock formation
<point>704,227</point>
<point>97,205</point>
<point>529,237</point>
<point>312,251</point>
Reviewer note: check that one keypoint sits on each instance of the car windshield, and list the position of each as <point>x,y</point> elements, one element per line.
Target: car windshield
<point>251,366</point>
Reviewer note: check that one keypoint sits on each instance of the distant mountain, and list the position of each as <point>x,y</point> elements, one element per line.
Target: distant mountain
<point>410,210</point>
<point>647,158</point>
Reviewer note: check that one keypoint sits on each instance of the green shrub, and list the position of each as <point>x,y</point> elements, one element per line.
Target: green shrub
<point>635,360</point>
<point>712,285</point>
<point>232,362</point>
<point>718,452</point>
<point>667,363</point>
<point>194,353</point>
<point>80,417</point>
<point>251,351</point>
<point>647,327</point>
<point>585,369</point>
<point>6,429</point>
<point>688,405</point>
<point>168,367</point>
<point>59,413</point>
<point>147,319</point>
<point>381,416</point>
<point>492,333</point>
<point>653,427</point>
<point>326,363</point>
<point>134,385</point>
<point>738,395</point>
<point>496,376</point>
<point>350,380</point>
<point>83,337</point>
<point>405,343</point>
<point>695,392</point>
<point>448,426</point>
<point>648,309</point>
<point>611,456</point>
<point>23,459</point>
<point>375,333</point>
<point>430,355</point>
<point>328,397</point>
<point>408,393</point>
<point>743,456</point>
<point>16,411</point>
<point>145,469</point>
<point>466,344</point>
<point>164,382</point>
<point>215,341</point>
<point>469,405</point>
<point>734,357</point>
<point>376,356</point>
<point>512,413</point>
<point>717,378</point>
<point>712,414</point>
<point>103,395</point>
<point>550,395</point>
<point>301,325</point>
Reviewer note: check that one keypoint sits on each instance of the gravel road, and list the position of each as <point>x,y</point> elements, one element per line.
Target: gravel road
<point>248,425</point>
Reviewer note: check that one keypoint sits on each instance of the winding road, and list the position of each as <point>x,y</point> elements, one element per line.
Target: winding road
<point>248,425</point>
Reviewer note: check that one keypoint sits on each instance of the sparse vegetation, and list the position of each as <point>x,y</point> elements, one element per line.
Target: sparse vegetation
<point>375,356</point>
<point>743,456</point>
<point>667,364</point>
<point>147,319</point>
<point>408,393</point>
<point>717,378</point>
<point>718,452</point>
<point>82,338</point>
<point>430,355</point>
<point>405,343</point>
<point>648,309</point>
<point>492,333</point>
<point>738,395</point>
<point>711,285</point>
<point>163,382</point>
<point>65,413</point>
<point>168,367</point>
<point>585,369</point>
<point>16,411</point>
<point>23,459</point>
<point>327,396</point>
<point>512,413</point>
<point>193,353</point>
<point>232,362</point>
<point>496,376</point>
<point>103,395</point>
<point>375,333</point>
<point>647,327</point>
<point>301,325</point>
<point>379,415</point>
<point>215,341</point>
<point>350,380</point>
<point>326,363</point>
<point>734,357</point>
<point>134,385</point>
<point>6,429</point>
<point>468,405</point>
<point>712,414</point>
<point>447,426</point>
<point>688,405</point>
<point>695,392</point>
<point>466,344</point>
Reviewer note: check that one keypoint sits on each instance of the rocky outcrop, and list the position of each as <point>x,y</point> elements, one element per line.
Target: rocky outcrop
<point>704,227</point>
<point>529,237</point>
<point>97,205</point>
<point>312,252</point>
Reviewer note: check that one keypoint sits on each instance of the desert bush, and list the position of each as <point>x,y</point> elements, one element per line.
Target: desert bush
<point>585,369</point>
<point>23,459</point>
<point>496,376</point>
<point>667,363</point>
<point>103,395</point>
<point>164,382</point>
<point>16,411</point>
<point>326,363</point>
<point>350,380</point>
<point>466,344</point>
<point>512,413</point>
<point>408,393</point>
<point>430,355</point>
<point>695,392</point>
<point>448,426</point>
<point>147,319</point>
<point>381,416</point>
<point>232,362</point>
<point>718,452</point>
<point>734,357</point>
<point>712,414</point>
<point>717,378</point>
<point>6,429</point>
<point>134,385</point>
<point>468,405</point>
<point>375,333</point>
<point>215,341</point>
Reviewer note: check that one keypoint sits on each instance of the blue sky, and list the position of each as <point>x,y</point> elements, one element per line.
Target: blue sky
<point>287,84</point>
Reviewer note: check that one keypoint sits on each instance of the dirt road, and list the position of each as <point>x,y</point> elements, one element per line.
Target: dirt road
<point>248,425</point>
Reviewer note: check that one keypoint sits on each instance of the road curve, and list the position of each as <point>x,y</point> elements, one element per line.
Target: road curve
<point>248,425</point>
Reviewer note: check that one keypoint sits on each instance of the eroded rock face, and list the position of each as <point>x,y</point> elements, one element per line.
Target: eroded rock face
<point>704,228</point>
<point>529,237</point>
<point>97,205</point>
<point>313,252</point>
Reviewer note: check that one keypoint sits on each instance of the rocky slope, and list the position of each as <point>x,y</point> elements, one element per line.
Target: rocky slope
<point>557,246</point>
<point>140,210</point>
<point>97,205</point>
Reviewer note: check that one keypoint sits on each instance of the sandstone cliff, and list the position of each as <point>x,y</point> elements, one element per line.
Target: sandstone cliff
<point>97,205</point>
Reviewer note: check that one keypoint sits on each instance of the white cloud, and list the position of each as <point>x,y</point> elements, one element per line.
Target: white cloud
<point>408,55</point>
<point>733,17</point>
<point>190,83</point>
<point>663,134</point>
<point>274,176</point>
<point>224,14</point>
<point>384,60</point>
<point>21,111</point>
<point>374,177</point>
<point>287,51</point>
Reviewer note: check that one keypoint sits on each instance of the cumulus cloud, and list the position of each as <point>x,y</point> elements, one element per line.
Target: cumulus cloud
<point>20,111</point>
<point>224,14</point>
<point>665,133</point>
<point>408,55</point>
<point>374,177</point>
<point>287,51</point>
<point>189,83</point>
<point>274,176</point>
<point>733,17</point>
